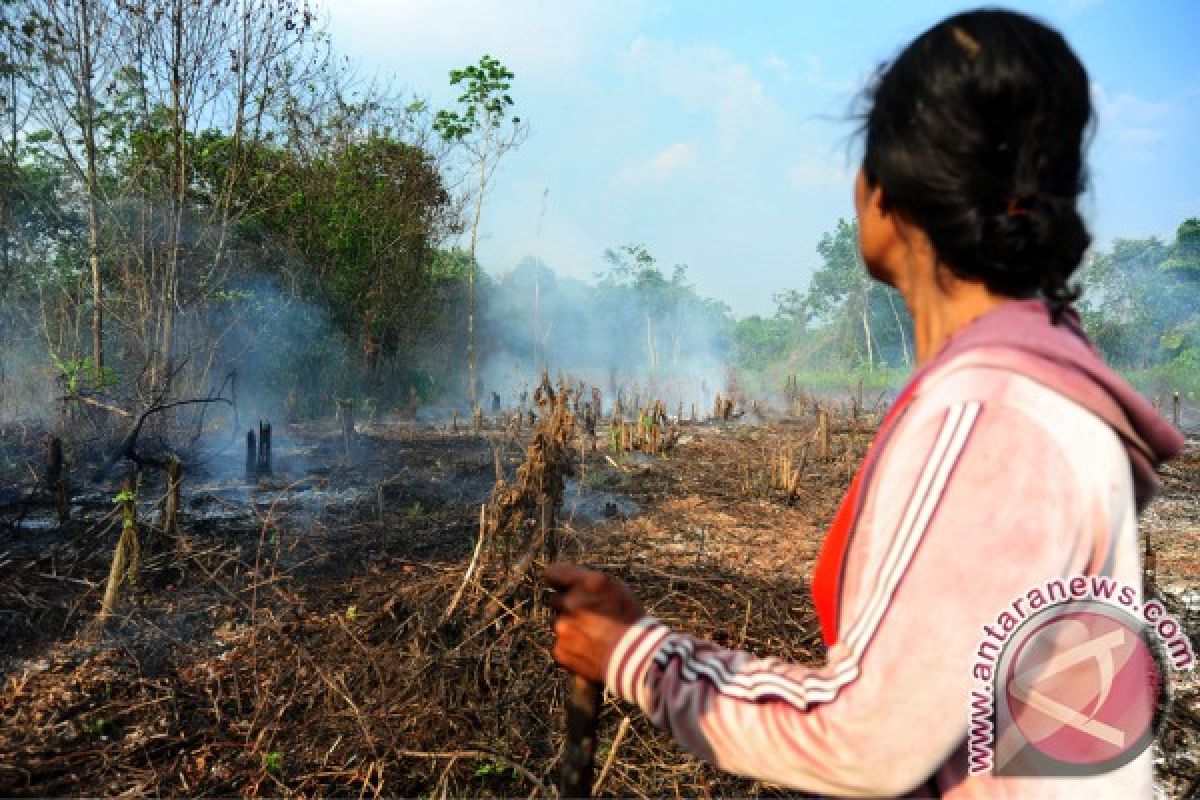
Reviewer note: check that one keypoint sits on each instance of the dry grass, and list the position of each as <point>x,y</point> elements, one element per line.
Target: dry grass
<point>324,663</point>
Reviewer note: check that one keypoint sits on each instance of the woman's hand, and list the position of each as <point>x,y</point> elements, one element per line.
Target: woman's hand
<point>594,612</point>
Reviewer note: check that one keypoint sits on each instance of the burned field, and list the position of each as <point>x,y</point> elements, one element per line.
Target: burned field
<point>365,618</point>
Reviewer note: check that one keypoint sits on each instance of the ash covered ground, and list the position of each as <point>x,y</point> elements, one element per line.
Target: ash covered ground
<point>295,639</point>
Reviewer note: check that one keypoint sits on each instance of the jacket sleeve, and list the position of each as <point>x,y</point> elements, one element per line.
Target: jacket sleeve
<point>971,507</point>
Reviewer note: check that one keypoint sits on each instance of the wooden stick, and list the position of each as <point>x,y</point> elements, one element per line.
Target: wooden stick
<point>583,716</point>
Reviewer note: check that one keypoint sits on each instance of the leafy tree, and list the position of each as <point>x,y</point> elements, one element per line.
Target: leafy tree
<point>661,301</point>
<point>1184,258</point>
<point>864,321</point>
<point>1123,287</point>
<point>366,218</point>
<point>1141,304</point>
<point>761,342</point>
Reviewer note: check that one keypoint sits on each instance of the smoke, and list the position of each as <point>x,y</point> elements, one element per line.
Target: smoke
<point>272,355</point>
<point>645,340</point>
<point>27,373</point>
<point>278,354</point>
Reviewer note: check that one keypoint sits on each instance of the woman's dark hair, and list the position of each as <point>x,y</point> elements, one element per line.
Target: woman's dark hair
<point>976,134</point>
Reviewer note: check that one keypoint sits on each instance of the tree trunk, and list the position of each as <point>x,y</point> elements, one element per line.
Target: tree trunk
<point>172,501</point>
<point>651,354</point>
<point>867,333</point>
<point>97,291</point>
<point>472,386</point>
<point>900,327</point>
<point>179,199</point>
<point>6,224</point>
<point>88,118</point>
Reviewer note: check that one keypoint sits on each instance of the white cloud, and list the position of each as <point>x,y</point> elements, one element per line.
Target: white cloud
<point>659,167</point>
<point>707,78</point>
<point>1125,107</point>
<point>1134,123</point>
<point>536,38</point>
<point>809,71</point>
<point>813,173</point>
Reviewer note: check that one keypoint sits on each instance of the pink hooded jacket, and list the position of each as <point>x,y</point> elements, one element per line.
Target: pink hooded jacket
<point>1016,462</point>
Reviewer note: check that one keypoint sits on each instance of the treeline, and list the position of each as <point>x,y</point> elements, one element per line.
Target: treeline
<point>164,161</point>
<point>635,327</point>
<point>201,197</point>
<point>1140,303</point>
<point>843,327</point>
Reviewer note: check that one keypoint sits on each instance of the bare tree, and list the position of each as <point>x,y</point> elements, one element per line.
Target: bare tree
<point>224,65</point>
<point>73,45</point>
<point>479,126</point>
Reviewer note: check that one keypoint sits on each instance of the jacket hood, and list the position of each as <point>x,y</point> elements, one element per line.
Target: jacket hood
<point>1021,336</point>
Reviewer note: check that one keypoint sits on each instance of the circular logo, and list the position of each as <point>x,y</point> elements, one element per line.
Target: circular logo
<point>1081,688</point>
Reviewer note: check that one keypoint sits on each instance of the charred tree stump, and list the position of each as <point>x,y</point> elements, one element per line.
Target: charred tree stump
<point>589,428</point>
<point>264,448</point>
<point>170,526</point>
<point>54,459</point>
<point>251,457</point>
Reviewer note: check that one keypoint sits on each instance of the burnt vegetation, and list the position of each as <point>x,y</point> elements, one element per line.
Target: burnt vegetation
<point>280,464</point>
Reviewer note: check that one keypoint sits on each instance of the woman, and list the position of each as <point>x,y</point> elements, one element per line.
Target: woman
<point>1012,458</point>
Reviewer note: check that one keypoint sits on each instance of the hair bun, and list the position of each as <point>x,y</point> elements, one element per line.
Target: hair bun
<point>1037,245</point>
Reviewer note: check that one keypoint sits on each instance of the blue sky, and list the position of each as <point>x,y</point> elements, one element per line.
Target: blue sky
<point>717,133</point>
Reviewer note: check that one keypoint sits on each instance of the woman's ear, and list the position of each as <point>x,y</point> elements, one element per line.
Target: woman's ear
<point>879,199</point>
<point>877,233</point>
<point>871,202</point>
